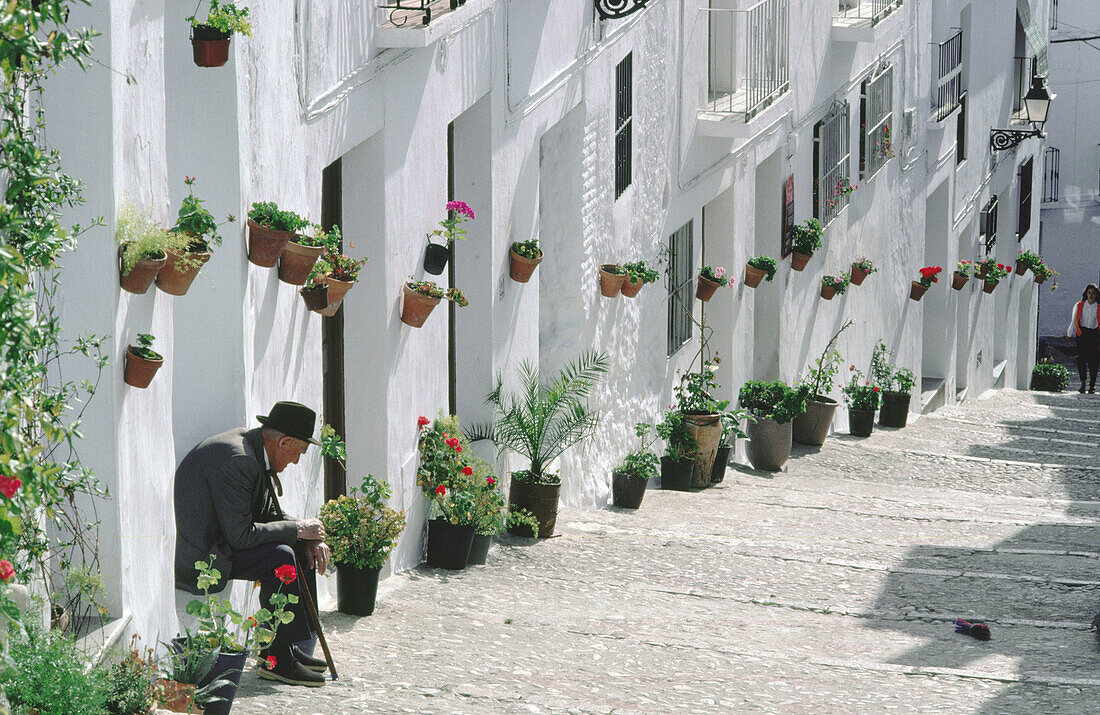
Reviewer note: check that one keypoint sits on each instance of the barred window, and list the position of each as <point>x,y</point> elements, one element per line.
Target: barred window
<point>988,225</point>
<point>1023,215</point>
<point>681,277</point>
<point>624,115</point>
<point>832,152</point>
<point>876,119</point>
<point>947,87</point>
<point>1051,165</point>
<point>960,132</point>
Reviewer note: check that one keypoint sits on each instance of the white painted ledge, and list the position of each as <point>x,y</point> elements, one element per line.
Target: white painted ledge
<point>444,21</point>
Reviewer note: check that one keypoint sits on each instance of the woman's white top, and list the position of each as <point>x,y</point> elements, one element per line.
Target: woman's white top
<point>1088,317</point>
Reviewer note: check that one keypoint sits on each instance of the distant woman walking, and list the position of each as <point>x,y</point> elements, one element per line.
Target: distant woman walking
<point>1085,326</point>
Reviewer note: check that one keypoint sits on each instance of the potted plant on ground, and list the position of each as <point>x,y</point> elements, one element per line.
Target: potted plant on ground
<point>928,276</point>
<point>638,273</point>
<point>141,362</point>
<point>201,231</point>
<point>436,254</point>
<point>961,275</point>
<point>831,285</point>
<point>524,257</point>
<point>490,515</point>
<point>630,477</point>
<point>760,267</point>
<point>731,432</point>
<point>1049,377</point>
<point>421,297</point>
<point>269,230</point>
<point>446,478</point>
<point>128,683</point>
<point>612,276</point>
<point>678,461</point>
<point>1026,260</point>
<point>210,37</point>
<point>142,247</point>
<point>805,240</point>
<point>773,405</point>
<point>702,415</point>
<point>340,271</point>
<point>315,291</point>
<point>539,422</point>
<point>1043,272</point>
<point>861,268</point>
<point>710,280</point>
<point>812,425</point>
<point>302,252</point>
<point>992,273</point>
<point>862,398</point>
<point>186,663</point>
<point>896,388</point>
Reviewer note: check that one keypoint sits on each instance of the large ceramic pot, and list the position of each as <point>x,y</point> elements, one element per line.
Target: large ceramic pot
<point>416,307</point>
<point>753,275</point>
<point>769,445</point>
<point>676,475</point>
<point>479,549</point>
<point>630,289</point>
<point>356,590</point>
<point>858,275</point>
<point>209,47</point>
<point>707,431</point>
<point>812,426</point>
<point>449,544</point>
<point>610,283</point>
<point>705,287</point>
<point>627,490</point>
<point>917,291</point>
<point>297,261</point>
<point>435,258</point>
<point>138,371</point>
<point>539,499</point>
<point>175,278</point>
<point>142,275</point>
<point>336,291</point>
<point>958,281</point>
<point>861,422</point>
<point>265,245</point>
<point>721,461</point>
<point>522,267</point>
<point>799,260</point>
<point>895,409</point>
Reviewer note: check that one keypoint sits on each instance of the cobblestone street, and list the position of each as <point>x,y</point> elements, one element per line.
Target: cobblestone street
<point>829,588</point>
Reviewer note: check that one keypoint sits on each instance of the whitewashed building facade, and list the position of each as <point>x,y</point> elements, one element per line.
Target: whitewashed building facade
<point>609,140</point>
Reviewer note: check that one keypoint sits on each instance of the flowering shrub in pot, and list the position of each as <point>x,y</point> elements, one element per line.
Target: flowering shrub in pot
<point>961,274</point>
<point>210,37</point>
<point>928,276</point>
<point>862,398</point>
<point>831,285</point>
<point>638,273</point>
<point>198,226</point>
<point>991,273</point>
<point>142,247</point>
<point>861,268</point>
<point>450,230</point>
<point>630,477</point>
<point>524,257</point>
<point>806,239</point>
<point>1027,260</point>
<point>421,297</point>
<point>896,385</point>
<point>340,272</point>
<point>1043,272</point>
<point>758,268</point>
<point>678,460</point>
<point>813,424</point>
<point>269,230</point>
<point>773,405</point>
<point>446,478</point>
<point>141,362</point>
<point>612,277</point>
<point>710,280</point>
<point>702,415</point>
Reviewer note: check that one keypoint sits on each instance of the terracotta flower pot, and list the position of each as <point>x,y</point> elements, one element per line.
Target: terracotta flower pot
<point>265,245</point>
<point>753,275</point>
<point>1039,279</point>
<point>610,283</point>
<point>142,275</point>
<point>705,287</point>
<point>1021,268</point>
<point>799,260</point>
<point>989,286</point>
<point>174,278</point>
<point>315,298</point>
<point>336,292</point>
<point>858,275</point>
<point>979,273</point>
<point>917,291</point>
<point>176,697</point>
<point>707,431</point>
<point>812,426</point>
<point>522,267</point>
<point>630,288</point>
<point>958,281</point>
<point>416,307</point>
<point>210,53</point>
<point>827,291</point>
<point>138,371</point>
<point>297,261</point>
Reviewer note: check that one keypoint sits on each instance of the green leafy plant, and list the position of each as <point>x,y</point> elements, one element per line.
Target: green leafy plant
<point>522,520</point>
<point>360,527</point>
<point>614,269</point>
<point>1050,377</point>
<point>47,675</point>
<point>1030,259</point>
<point>338,265</point>
<point>268,214</point>
<point>904,380</point>
<point>1043,272</point>
<point>695,391</point>
<point>865,264</point>
<point>896,381</point>
<point>806,238</point>
<point>527,249</point>
<point>991,271</point>
<point>859,393</point>
<point>963,268</point>
<point>451,227</point>
<point>766,264</point>
<point>717,275</point>
<point>196,222</point>
<point>225,18</point>
<point>188,660</point>
<point>821,377</point>
<point>838,283</point>
<point>129,682</point>
<point>139,237</point>
<point>642,462</point>
<point>445,475</point>
<point>772,400</point>
<point>457,297</point>
<point>543,419</point>
<point>320,238</point>
<point>144,348</point>
<point>641,272</point>
<point>731,426</point>
<point>680,444</point>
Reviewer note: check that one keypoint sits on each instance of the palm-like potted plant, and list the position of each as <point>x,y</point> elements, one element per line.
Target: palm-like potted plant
<point>612,277</point>
<point>773,405</point>
<point>805,239</point>
<point>961,275</point>
<point>861,268</point>
<point>524,257</point>
<point>928,276</point>
<point>630,477</point>
<point>210,37</point>
<point>450,230</point>
<point>302,252</point>
<point>678,461</point>
<point>638,273</point>
<point>862,398</point>
<point>896,388</point>
<point>759,268</point>
<point>539,422</point>
<point>812,426</point>
<point>831,285</point>
<point>142,247</point>
<point>198,226</point>
<point>141,362</point>
<point>269,230</point>
<point>711,279</point>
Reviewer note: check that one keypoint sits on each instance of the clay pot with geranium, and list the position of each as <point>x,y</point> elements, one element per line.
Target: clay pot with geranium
<point>805,239</point>
<point>711,279</point>
<point>197,226</point>
<point>813,424</point>
<point>961,275</point>
<point>991,273</point>
<point>630,477</point>
<point>638,274</point>
<point>446,478</point>
<point>450,230</point>
<point>524,257</point>
<point>142,247</point>
<point>862,399</point>
<point>832,285</point>
<point>928,276</point>
<point>421,297</point>
<point>210,37</point>
<point>861,268</point>
<point>702,415</point>
<point>773,406</point>
<point>1026,260</point>
<point>302,252</point>
<point>141,362</point>
<point>270,229</point>
<point>339,271</point>
<point>896,385</point>
<point>612,277</point>
<point>759,268</point>
<point>539,422</point>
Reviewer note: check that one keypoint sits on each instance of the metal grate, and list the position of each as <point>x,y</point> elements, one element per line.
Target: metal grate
<point>1023,215</point>
<point>624,121</point>
<point>681,278</point>
<point>1051,163</point>
<point>876,119</point>
<point>832,183</point>
<point>749,57</point>
<point>1054,14</point>
<point>873,10</point>
<point>1024,72</point>
<point>947,58</point>
<point>988,225</point>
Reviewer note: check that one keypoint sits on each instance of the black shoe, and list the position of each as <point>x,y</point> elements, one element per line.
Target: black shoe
<point>1092,390</point>
<point>292,672</point>
<point>1082,390</point>
<point>316,664</point>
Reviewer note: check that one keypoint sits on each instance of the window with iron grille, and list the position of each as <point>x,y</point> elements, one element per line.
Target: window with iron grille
<point>624,114</point>
<point>1023,215</point>
<point>681,278</point>
<point>1051,162</point>
<point>988,225</point>
<point>876,119</point>
<point>960,132</point>
<point>947,66</point>
<point>1054,14</point>
<point>1023,74</point>
<point>832,152</point>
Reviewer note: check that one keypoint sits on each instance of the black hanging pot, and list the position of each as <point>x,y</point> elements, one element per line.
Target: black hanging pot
<point>677,475</point>
<point>449,544</point>
<point>356,590</point>
<point>721,459</point>
<point>479,549</point>
<point>435,258</point>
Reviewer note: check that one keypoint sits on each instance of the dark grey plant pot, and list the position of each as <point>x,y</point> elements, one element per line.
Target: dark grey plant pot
<point>769,444</point>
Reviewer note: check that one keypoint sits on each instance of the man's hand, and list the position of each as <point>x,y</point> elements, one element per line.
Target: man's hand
<point>317,555</point>
<point>310,530</point>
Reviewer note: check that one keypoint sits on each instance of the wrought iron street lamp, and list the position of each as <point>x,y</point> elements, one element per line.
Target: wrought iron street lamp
<point>1036,106</point>
<point>615,9</point>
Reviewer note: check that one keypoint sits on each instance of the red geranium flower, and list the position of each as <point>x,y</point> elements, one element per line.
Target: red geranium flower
<point>876,388</point>
<point>422,421</point>
<point>250,621</point>
<point>467,471</point>
<point>441,490</point>
<point>491,481</point>
<point>271,662</point>
<point>9,485</point>
<point>6,570</point>
<point>286,573</point>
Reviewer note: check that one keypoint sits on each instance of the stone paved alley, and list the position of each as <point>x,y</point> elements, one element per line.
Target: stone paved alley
<point>830,588</point>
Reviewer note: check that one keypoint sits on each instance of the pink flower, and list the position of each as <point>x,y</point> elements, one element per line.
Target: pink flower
<point>460,207</point>
<point>491,481</point>
<point>6,570</point>
<point>719,272</point>
<point>9,486</point>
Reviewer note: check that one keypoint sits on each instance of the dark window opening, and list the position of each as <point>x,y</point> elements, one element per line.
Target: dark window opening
<point>681,279</point>
<point>624,115</point>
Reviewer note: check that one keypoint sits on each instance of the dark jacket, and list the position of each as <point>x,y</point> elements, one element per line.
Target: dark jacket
<point>222,505</point>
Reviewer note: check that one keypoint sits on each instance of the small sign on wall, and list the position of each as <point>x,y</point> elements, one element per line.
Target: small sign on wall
<point>785,238</point>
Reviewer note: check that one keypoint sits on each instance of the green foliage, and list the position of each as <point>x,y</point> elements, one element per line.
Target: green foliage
<point>341,266</point>
<point>731,425</point>
<point>139,237</point>
<point>642,462</point>
<point>425,288</point>
<point>717,275</point>
<point>196,222</point>
<point>772,400</point>
<point>1049,377</point>
<point>227,18</point>
<point>904,379</point>
<point>188,660</point>
<point>527,249</point>
<point>865,264</point>
<point>839,283</point>
<point>807,238</point>
<point>766,264</point>
<point>320,238</point>
<point>450,229</point>
<point>641,272</point>
<point>129,683</point>
<point>859,393</point>
<point>1029,258</point>
<point>695,392</point>
<point>900,380</point>
<point>613,268</point>
<point>990,271</point>
<point>821,377</point>
<point>680,444</point>
<point>267,213</point>
<point>542,420</point>
<point>360,528</point>
<point>46,675</point>
<point>522,520</point>
<point>144,347</point>
<point>445,475</point>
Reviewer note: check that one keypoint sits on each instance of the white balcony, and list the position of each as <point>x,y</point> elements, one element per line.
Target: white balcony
<point>420,23</point>
<point>858,20</point>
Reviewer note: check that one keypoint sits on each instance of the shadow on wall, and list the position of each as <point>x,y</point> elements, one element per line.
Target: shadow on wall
<point>1044,573</point>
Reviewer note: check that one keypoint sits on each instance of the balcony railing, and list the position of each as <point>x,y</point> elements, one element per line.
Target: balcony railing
<point>947,68</point>
<point>749,57</point>
<point>874,11</point>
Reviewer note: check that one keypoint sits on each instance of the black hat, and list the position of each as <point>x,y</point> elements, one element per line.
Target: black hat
<point>293,419</point>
